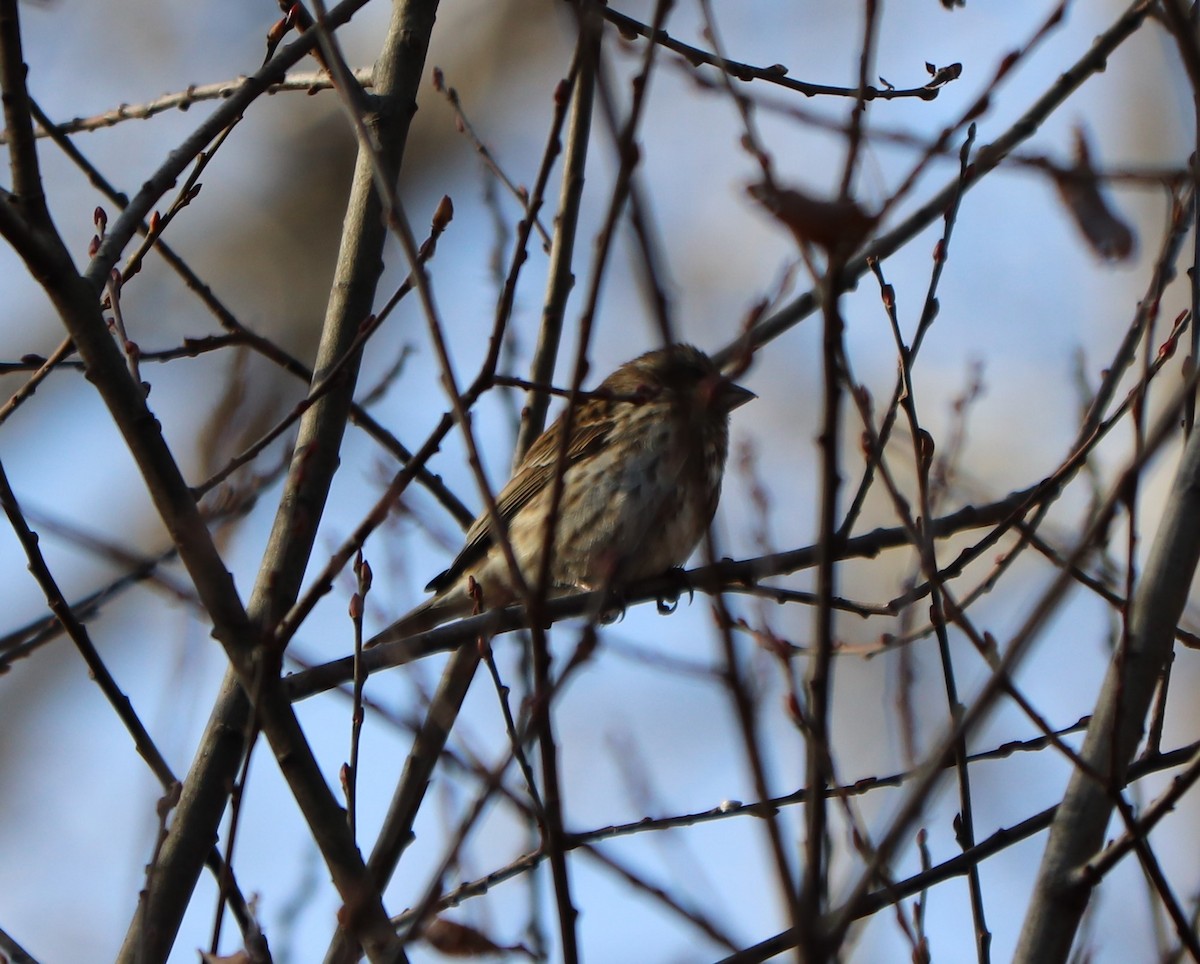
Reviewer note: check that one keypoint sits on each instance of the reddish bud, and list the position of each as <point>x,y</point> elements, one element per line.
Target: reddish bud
<point>1167,348</point>
<point>444,213</point>
<point>925,441</point>
<point>792,708</point>
<point>276,33</point>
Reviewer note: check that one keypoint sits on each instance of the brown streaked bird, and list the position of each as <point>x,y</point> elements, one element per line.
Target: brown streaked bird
<point>643,475</point>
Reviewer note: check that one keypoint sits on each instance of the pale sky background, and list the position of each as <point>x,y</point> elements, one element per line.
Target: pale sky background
<point>1022,294</point>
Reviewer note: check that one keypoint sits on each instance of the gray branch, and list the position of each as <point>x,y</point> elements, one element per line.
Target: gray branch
<point>1061,894</point>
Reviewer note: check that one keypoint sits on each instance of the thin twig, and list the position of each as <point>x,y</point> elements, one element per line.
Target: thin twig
<point>310,83</point>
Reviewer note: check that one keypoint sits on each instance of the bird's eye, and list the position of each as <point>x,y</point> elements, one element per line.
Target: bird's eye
<point>645,391</point>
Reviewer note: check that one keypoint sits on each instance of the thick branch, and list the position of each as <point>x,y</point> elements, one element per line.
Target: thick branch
<point>360,259</point>
<point>1060,897</point>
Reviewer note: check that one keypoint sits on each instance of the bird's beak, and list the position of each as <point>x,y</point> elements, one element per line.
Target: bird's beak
<point>730,396</point>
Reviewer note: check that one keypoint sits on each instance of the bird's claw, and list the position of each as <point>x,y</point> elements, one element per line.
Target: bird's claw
<point>668,604</point>
<point>613,614</point>
<point>614,609</point>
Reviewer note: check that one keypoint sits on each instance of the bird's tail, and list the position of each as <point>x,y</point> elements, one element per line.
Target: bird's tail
<point>429,615</point>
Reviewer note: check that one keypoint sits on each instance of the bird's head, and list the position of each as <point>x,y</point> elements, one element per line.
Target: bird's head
<point>683,374</point>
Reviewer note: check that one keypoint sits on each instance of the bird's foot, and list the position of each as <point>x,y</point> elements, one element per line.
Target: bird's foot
<point>668,604</point>
<point>613,610</point>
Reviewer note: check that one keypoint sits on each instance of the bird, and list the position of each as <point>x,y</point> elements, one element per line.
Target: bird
<point>644,463</point>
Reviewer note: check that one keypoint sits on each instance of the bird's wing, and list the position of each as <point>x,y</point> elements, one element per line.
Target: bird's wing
<point>590,433</point>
